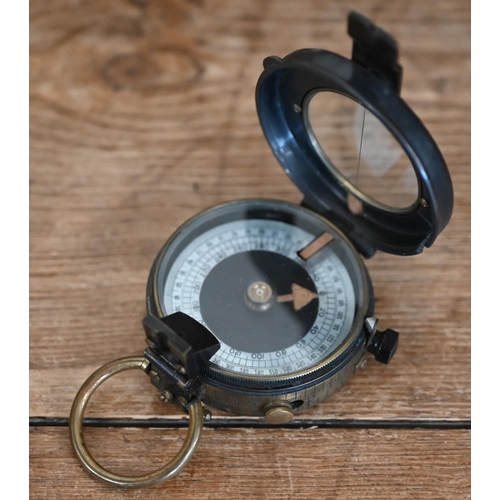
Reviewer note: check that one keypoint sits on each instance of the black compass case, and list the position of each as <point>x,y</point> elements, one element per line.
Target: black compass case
<point>369,85</point>
<point>372,79</point>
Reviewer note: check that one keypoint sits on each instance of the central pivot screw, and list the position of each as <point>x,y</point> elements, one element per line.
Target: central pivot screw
<point>259,296</point>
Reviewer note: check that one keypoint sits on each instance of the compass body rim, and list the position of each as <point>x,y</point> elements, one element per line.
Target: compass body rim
<point>249,395</point>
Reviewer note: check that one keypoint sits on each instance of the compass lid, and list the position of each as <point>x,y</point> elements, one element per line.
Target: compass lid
<point>353,146</point>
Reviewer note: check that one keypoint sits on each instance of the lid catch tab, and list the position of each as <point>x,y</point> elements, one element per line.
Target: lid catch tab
<point>375,50</point>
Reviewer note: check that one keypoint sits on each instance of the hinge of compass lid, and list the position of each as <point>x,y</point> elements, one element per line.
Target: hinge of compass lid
<point>179,347</point>
<point>375,50</point>
<point>354,236</point>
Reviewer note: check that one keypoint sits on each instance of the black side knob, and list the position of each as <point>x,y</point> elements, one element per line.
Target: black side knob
<point>384,344</point>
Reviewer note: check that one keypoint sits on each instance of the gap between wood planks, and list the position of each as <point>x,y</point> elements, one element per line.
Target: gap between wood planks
<point>235,423</point>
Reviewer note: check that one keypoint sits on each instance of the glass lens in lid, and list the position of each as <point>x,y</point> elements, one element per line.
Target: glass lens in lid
<point>359,150</point>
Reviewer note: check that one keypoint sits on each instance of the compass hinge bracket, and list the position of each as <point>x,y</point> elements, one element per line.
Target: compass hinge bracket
<point>179,346</point>
<point>355,237</point>
<point>375,50</point>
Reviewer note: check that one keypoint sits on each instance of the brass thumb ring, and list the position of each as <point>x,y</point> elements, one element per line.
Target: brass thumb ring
<point>76,423</point>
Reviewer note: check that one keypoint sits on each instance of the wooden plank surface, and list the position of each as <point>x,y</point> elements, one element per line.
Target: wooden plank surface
<point>142,114</point>
<point>271,464</point>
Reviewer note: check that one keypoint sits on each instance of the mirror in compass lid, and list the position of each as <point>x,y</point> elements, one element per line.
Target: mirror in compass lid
<point>359,150</point>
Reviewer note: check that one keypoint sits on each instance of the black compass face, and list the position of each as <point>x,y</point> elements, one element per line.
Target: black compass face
<point>248,322</point>
<point>271,281</point>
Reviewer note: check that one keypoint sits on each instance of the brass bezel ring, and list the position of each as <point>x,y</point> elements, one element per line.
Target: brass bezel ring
<point>76,426</point>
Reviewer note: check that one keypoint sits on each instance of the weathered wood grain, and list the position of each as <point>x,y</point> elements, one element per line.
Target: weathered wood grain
<point>309,463</point>
<point>142,114</point>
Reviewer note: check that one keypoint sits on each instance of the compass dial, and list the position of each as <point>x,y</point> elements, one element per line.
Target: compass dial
<point>274,287</point>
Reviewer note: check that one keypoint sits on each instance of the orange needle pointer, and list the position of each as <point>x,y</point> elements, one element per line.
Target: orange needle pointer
<point>315,246</point>
<point>300,297</point>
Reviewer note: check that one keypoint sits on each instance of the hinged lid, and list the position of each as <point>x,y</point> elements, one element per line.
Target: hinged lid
<point>356,150</point>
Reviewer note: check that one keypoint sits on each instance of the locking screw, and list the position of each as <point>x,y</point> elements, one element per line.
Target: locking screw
<point>384,345</point>
<point>166,397</point>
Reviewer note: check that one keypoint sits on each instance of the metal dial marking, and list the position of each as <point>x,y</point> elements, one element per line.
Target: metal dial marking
<point>335,294</point>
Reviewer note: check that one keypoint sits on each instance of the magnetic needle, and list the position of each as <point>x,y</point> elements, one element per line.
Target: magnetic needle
<point>264,308</point>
